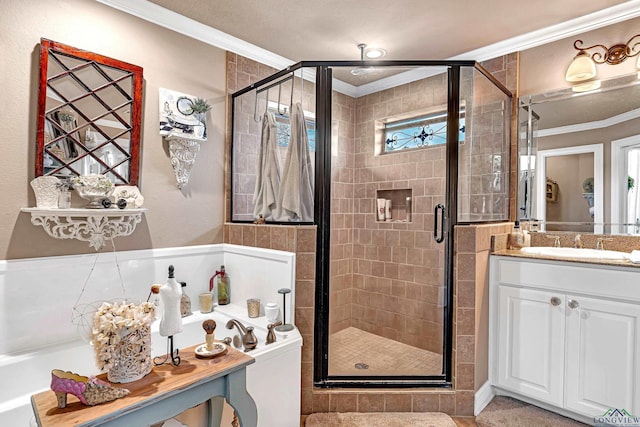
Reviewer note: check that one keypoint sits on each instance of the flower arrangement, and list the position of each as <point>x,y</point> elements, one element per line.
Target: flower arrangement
<point>94,182</point>
<point>93,187</point>
<point>66,117</point>
<point>118,324</point>
<point>65,184</point>
<point>630,182</point>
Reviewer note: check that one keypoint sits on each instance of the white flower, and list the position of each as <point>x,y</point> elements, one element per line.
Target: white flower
<point>112,322</point>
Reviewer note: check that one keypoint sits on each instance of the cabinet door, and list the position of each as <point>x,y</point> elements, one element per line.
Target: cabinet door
<point>603,356</point>
<point>531,342</point>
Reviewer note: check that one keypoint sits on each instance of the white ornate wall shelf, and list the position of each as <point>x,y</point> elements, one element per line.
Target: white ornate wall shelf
<point>183,152</point>
<point>95,226</point>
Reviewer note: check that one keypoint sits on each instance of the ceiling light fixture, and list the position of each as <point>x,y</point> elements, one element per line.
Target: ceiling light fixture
<point>583,66</point>
<point>374,52</point>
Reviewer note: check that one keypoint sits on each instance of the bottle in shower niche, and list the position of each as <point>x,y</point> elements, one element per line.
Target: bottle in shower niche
<point>185,302</point>
<point>223,286</point>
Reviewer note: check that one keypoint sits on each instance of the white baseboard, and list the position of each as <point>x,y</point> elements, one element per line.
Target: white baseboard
<point>483,396</point>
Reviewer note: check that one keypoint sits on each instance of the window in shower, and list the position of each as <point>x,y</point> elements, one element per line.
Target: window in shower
<point>418,132</point>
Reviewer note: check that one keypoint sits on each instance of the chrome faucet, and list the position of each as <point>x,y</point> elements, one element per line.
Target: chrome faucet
<point>600,243</point>
<point>249,340</point>
<point>556,241</point>
<point>577,241</point>
<point>271,335</point>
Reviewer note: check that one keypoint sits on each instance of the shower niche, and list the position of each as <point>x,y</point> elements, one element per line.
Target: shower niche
<point>383,289</point>
<point>400,203</point>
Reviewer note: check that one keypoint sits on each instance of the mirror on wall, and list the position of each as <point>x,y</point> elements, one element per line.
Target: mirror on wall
<point>579,158</point>
<point>89,115</point>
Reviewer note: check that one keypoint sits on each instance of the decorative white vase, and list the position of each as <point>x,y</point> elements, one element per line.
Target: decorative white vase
<point>133,356</point>
<point>46,190</point>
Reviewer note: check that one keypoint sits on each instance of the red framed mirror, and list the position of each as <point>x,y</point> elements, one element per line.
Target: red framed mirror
<point>89,115</point>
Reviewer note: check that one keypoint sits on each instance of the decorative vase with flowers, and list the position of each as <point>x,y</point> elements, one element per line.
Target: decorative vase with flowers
<point>121,339</point>
<point>93,187</point>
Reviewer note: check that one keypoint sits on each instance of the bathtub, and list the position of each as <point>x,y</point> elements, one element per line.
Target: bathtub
<point>273,380</point>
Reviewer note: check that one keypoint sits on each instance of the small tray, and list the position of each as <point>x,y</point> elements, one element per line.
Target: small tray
<point>218,350</point>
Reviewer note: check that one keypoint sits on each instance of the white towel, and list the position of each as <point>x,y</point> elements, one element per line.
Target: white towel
<point>295,201</point>
<point>265,195</point>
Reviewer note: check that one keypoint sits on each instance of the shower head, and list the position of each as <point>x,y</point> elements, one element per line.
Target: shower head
<point>363,71</point>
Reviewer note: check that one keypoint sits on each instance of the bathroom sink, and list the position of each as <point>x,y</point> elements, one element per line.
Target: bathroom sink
<point>576,253</point>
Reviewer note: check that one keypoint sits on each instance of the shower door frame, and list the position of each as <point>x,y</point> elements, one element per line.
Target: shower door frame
<point>323,212</point>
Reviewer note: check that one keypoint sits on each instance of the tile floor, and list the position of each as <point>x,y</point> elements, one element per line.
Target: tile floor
<point>383,356</point>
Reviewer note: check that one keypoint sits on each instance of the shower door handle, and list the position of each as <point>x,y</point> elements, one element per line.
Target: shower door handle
<point>439,207</point>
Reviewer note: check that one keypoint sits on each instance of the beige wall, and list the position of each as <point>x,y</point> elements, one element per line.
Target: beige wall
<point>569,172</point>
<point>175,218</point>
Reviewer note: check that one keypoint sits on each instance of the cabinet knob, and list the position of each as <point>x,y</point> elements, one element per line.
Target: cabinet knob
<point>573,304</point>
<point>555,301</point>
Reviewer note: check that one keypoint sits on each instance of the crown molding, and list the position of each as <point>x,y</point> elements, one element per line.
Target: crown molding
<point>592,21</point>
<point>597,124</point>
<point>158,15</point>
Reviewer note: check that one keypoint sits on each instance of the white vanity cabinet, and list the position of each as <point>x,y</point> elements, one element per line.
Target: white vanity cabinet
<point>566,335</point>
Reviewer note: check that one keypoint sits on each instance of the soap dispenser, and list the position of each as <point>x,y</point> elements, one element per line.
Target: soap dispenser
<point>516,238</point>
<point>185,302</point>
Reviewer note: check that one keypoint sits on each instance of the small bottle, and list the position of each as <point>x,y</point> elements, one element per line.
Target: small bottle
<point>223,286</point>
<point>185,302</point>
<point>516,238</point>
<point>408,209</point>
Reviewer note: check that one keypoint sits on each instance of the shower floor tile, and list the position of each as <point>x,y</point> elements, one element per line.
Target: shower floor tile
<point>383,356</point>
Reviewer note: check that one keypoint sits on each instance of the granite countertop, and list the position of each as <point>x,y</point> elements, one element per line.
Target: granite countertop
<point>515,253</point>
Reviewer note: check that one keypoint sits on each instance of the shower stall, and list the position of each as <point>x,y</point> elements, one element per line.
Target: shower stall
<point>401,152</point>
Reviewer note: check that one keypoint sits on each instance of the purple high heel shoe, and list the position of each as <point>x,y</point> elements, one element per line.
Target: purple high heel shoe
<point>89,390</point>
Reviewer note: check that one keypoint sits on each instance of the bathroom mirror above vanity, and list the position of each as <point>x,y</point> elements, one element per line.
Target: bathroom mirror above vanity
<point>89,115</point>
<point>579,158</point>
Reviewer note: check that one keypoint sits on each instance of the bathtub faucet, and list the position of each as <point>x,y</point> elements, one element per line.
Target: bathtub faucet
<point>249,340</point>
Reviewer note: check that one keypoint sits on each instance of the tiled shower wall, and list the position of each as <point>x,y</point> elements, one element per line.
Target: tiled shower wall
<point>398,275</point>
<point>341,292</point>
<point>484,157</point>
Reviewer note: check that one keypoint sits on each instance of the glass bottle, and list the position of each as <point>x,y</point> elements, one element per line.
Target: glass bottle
<point>223,286</point>
<point>185,302</point>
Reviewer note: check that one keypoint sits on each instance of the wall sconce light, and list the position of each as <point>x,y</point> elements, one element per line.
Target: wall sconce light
<point>583,66</point>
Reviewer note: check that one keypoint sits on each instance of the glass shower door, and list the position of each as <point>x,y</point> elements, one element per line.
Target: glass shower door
<point>387,291</point>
